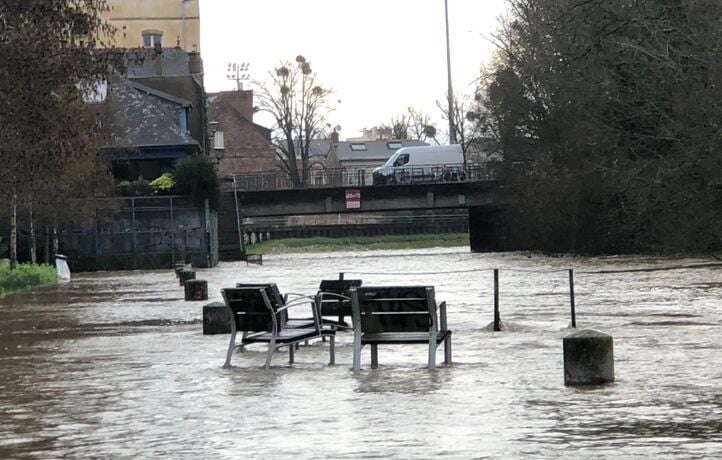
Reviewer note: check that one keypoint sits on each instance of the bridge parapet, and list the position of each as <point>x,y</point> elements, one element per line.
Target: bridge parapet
<point>358,177</point>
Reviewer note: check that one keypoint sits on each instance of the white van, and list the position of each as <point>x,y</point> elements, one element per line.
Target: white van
<point>422,164</point>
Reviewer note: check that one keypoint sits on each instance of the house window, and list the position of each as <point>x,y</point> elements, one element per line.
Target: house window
<point>394,145</point>
<point>152,38</point>
<point>359,147</point>
<point>219,141</point>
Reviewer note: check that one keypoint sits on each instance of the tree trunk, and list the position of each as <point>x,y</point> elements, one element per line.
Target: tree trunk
<point>14,233</point>
<point>33,248</point>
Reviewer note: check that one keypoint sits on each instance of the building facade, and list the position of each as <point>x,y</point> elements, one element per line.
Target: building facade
<point>160,113</point>
<point>238,144</point>
<point>156,23</point>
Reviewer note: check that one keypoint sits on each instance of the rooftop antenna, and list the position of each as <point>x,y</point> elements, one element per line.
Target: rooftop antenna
<point>238,72</point>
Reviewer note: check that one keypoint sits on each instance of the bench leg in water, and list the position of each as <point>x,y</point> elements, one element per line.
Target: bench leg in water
<point>242,348</point>
<point>291,350</point>
<point>231,346</point>
<point>447,348</point>
<point>374,356</point>
<point>269,354</point>
<point>432,352</point>
<point>357,354</point>
<point>332,351</point>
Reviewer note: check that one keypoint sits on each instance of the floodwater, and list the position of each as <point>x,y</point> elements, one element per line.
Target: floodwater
<point>114,365</point>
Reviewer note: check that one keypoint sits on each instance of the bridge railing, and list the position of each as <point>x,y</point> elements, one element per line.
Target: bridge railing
<point>358,177</point>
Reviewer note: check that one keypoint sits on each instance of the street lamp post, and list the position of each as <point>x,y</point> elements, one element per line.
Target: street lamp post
<point>452,129</point>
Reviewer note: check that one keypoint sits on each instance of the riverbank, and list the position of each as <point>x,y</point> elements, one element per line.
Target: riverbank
<point>361,243</point>
<point>26,276</point>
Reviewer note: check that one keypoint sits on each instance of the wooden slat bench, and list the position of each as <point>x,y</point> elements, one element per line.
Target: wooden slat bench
<point>253,313</point>
<point>398,315</point>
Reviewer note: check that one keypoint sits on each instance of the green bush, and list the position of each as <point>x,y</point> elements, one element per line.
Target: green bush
<point>196,177</point>
<point>140,187</point>
<point>25,276</point>
<point>164,183</point>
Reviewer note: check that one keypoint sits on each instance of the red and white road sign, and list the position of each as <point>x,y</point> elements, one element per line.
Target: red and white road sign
<point>353,198</point>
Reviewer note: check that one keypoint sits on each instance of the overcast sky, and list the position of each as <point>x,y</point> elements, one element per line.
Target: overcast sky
<point>379,56</point>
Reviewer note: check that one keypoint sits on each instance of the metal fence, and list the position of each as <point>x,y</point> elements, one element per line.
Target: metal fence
<point>143,232</point>
<point>356,177</point>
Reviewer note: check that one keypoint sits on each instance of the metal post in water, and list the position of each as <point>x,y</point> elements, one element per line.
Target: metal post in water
<point>497,317</point>
<point>571,298</point>
<point>134,233</point>
<point>239,220</point>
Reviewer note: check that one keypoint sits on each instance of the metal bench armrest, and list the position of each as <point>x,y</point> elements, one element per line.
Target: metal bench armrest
<point>297,303</point>
<point>334,295</point>
<point>295,295</point>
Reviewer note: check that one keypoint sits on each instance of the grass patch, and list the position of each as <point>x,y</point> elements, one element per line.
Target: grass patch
<point>360,243</point>
<point>25,276</point>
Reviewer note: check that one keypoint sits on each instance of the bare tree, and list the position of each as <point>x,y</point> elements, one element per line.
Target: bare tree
<point>300,106</point>
<point>468,121</point>
<point>413,124</point>
<point>400,126</point>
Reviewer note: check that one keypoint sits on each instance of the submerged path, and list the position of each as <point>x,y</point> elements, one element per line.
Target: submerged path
<point>114,365</point>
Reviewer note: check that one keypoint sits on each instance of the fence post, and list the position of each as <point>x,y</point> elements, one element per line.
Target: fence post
<point>172,232</point>
<point>134,233</point>
<point>571,298</point>
<point>497,318</point>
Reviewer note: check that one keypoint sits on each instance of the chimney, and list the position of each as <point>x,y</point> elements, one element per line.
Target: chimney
<point>241,101</point>
<point>334,137</point>
<point>195,63</point>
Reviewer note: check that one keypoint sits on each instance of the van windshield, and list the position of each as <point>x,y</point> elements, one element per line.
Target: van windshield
<point>402,159</point>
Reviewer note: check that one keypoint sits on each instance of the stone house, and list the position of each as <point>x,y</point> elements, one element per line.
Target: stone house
<point>238,144</point>
<point>160,113</point>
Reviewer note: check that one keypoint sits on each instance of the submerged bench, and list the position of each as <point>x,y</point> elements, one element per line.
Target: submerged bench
<point>335,300</point>
<point>279,301</point>
<point>398,315</point>
<point>260,321</point>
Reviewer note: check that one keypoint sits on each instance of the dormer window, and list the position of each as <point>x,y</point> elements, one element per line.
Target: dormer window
<point>359,147</point>
<point>152,38</point>
<point>394,145</point>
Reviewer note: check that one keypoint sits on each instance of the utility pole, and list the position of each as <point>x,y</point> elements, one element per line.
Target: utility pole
<point>452,129</point>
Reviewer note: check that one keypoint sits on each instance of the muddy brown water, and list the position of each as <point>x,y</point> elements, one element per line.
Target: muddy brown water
<point>114,365</point>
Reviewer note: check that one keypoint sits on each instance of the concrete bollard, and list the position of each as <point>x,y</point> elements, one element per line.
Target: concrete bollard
<point>216,319</point>
<point>178,269</point>
<point>196,290</point>
<point>186,275</point>
<point>588,358</point>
